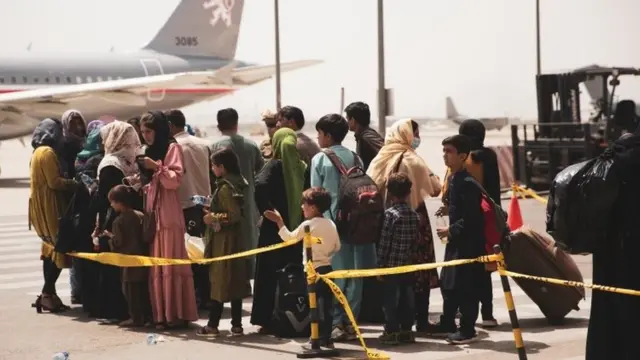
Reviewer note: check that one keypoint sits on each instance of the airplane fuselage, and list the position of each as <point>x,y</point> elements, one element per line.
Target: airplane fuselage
<point>489,123</point>
<point>31,70</point>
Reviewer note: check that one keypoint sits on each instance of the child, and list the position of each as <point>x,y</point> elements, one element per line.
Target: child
<point>316,201</point>
<point>127,239</point>
<point>461,285</point>
<point>400,232</point>
<point>229,279</point>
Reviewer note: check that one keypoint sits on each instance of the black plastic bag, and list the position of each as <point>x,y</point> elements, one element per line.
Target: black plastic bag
<point>559,203</point>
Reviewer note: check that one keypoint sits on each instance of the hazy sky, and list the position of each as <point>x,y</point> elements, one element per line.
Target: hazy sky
<point>480,52</point>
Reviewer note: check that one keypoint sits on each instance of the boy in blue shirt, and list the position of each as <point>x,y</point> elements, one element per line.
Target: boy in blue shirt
<point>332,129</point>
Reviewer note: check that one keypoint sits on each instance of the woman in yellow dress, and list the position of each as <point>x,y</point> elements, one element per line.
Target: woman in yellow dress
<point>46,205</point>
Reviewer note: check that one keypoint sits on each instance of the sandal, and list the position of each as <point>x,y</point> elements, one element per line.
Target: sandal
<point>59,304</point>
<point>49,303</point>
<point>237,331</point>
<point>207,331</point>
<point>263,331</point>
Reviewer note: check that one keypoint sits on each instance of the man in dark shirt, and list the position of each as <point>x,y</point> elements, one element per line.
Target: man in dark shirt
<point>460,285</point>
<point>400,232</point>
<point>368,141</point>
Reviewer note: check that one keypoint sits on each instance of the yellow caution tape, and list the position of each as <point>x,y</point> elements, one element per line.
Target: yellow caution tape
<point>572,283</point>
<point>345,304</point>
<point>343,274</point>
<point>529,192</point>
<point>122,260</point>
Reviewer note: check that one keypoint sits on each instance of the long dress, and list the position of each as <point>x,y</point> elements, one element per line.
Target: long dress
<point>613,323</point>
<point>47,200</point>
<point>111,303</point>
<point>171,287</point>
<point>230,278</point>
<point>270,194</point>
<point>251,162</point>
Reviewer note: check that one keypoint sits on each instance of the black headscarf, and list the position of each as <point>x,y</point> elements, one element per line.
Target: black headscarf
<point>158,150</point>
<point>160,125</point>
<point>49,133</point>
<point>625,115</point>
<point>474,130</point>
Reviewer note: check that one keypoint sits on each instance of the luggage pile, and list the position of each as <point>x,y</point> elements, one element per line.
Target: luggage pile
<point>529,252</point>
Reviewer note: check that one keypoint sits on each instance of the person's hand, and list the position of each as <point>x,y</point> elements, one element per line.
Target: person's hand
<point>442,232</point>
<point>442,211</point>
<point>207,218</point>
<point>273,215</point>
<point>132,180</point>
<point>149,164</point>
<point>107,233</point>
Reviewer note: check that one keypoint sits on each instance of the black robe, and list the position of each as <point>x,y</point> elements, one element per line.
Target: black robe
<point>466,238</point>
<point>270,195</point>
<point>613,324</point>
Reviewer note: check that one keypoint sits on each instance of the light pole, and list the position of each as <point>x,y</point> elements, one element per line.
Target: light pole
<point>382,98</point>
<point>277,35</point>
<point>538,65</point>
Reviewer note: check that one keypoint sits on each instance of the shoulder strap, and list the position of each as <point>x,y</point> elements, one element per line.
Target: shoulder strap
<point>335,160</point>
<point>396,168</point>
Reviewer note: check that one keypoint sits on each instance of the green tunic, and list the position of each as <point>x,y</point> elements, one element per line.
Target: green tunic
<point>251,162</point>
<point>229,278</point>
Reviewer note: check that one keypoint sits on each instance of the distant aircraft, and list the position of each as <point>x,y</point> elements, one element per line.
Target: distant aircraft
<point>191,59</point>
<point>452,116</point>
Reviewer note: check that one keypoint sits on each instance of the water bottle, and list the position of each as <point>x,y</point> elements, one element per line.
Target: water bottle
<point>202,200</point>
<point>88,182</point>
<point>61,356</point>
<point>153,339</point>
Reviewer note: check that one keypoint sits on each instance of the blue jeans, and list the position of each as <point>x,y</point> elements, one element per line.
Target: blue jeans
<point>398,302</point>
<point>75,279</point>
<point>351,257</point>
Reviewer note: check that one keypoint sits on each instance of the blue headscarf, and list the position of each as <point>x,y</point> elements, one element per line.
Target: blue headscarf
<point>190,130</point>
<point>49,133</point>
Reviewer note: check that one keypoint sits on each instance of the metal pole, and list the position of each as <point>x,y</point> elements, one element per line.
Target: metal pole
<point>538,64</point>
<point>341,100</point>
<point>511,307</point>
<point>314,350</point>
<point>382,99</point>
<point>277,35</point>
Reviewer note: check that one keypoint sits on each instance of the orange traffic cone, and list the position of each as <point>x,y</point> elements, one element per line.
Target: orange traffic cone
<point>514,220</point>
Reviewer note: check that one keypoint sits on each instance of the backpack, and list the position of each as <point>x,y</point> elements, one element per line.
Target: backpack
<point>495,219</point>
<point>360,205</point>
<point>291,317</point>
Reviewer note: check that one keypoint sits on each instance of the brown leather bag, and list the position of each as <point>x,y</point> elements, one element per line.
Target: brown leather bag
<point>149,222</point>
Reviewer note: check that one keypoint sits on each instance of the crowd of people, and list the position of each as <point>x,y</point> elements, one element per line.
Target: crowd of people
<point>129,187</point>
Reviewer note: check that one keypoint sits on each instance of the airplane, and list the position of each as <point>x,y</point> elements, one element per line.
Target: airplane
<point>452,116</point>
<point>190,59</point>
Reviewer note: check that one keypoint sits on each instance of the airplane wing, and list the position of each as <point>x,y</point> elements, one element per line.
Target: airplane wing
<point>134,91</point>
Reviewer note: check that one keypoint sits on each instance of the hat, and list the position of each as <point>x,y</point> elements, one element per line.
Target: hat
<point>268,116</point>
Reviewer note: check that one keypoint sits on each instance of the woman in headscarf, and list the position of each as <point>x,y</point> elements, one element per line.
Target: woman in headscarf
<point>399,155</point>
<point>120,144</point>
<point>74,130</point>
<point>47,203</point>
<point>85,280</point>
<point>279,187</point>
<point>173,300</point>
<point>135,122</point>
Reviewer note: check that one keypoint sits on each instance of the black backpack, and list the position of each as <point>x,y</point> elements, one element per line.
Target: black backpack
<point>291,317</point>
<point>360,204</point>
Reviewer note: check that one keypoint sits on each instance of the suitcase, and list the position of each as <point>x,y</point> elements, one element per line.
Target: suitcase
<point>531,253</point>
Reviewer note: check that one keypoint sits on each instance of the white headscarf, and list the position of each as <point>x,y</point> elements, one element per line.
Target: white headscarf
<point>121,143</point>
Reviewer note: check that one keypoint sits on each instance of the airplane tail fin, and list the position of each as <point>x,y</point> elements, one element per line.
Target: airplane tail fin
<point>452,113</point>
<point>201,28</point>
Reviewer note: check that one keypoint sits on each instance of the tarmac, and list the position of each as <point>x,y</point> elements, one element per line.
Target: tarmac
<point>27,335</point>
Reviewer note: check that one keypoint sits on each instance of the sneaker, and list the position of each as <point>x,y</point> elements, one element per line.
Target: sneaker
<point>207,331</point>
<point>406,337</point>
<point>327,344</point>
<point>459,338</point>
<point>340,333</point>
<point>389,338</point>
<point>437,331</point>
<point>237,331</point>
<point>489,323</point>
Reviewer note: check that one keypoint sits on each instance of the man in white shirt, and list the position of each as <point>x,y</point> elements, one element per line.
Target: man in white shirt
<point>195,181</point>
